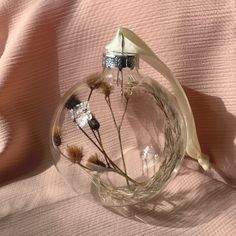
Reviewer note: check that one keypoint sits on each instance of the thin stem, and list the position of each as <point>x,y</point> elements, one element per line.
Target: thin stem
<point>100,143</point>
<point>117,78</point>
<point>99,137</point>
<point>154,165</point>
<point>90,139</point>
<point>90,94</point>
<point>122,83</point>
<point>83,166</point>
<point>118,170</point>
<point>119,136</point>
<point>122,153</point>
<point>123,116</point>
<point>94,134</point>
<point>146,163</point>
<point>100,149</point>
<point>125,175</point>
<point>108,100</point>
<point>142,167</point>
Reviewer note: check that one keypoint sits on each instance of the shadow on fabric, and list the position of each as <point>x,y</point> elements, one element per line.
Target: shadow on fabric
<point>216,129</point>
<point>189,206</point>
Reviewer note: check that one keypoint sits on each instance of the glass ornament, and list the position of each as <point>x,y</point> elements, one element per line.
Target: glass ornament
<point>118,135</point>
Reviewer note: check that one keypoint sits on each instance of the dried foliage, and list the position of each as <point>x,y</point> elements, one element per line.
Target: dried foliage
<point>94,159</point>
<point>75,154</point>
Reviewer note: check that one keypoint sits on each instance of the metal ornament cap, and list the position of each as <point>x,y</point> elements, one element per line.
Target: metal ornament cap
<point>120,61</point>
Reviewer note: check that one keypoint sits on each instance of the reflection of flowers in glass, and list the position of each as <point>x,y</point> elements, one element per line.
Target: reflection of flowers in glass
<point>148,152</point>
<point>57,136</point>
<point>81,114</point>
<point>128,89</point>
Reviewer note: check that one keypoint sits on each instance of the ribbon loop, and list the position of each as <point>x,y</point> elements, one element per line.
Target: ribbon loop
<point>127,42</point>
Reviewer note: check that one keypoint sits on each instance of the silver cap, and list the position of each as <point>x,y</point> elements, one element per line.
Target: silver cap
<point>120,61</point>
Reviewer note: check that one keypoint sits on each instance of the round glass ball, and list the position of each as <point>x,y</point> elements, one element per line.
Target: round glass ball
<point>119,136</point>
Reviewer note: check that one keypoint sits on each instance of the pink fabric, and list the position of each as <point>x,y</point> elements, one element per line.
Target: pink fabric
<point>47,46</point>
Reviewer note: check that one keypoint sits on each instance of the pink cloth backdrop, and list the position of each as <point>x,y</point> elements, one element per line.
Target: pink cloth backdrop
<point>48,46</point>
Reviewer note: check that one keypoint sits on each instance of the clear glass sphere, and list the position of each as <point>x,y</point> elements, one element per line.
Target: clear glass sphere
<point>119,136</point>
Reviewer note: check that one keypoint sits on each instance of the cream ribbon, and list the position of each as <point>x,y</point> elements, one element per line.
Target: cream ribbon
<point>127,42</point>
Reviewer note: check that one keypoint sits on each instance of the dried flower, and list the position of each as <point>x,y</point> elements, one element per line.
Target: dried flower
<point>94,82</point>
<point>106,89</point>
<point>93,123</point>
<point>57,136</point>
<point>72,102</point>
<point>94,160</point>
<point>75,154</point>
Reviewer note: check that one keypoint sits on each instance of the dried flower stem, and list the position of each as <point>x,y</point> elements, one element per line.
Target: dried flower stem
<point>118,128</point>
<point>146,164</point>
<point>117,169</point>
<point>90,94</point>
<point>90,139</point>
<point>123,116</point>
<point>95,83</point>
<point>99,137</point>
<point>100,149</point>
<point>85,167</point>
<point>122,82</point>
<point>100,143</point>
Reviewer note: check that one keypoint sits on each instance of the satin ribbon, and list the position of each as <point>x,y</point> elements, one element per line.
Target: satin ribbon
<point>127,42</point>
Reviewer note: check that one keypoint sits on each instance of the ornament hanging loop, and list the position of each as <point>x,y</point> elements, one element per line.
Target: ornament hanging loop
<point>132,44</point>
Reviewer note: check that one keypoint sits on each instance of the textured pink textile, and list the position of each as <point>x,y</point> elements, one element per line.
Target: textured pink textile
<point>47,46</point>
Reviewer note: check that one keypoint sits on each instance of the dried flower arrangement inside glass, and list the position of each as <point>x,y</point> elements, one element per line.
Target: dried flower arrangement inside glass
<point>124,131</point>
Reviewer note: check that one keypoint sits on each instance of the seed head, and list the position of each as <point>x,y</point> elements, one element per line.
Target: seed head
<point>94,159</point>
<point>75,154</point>
<point>57,136</point>
<point>72,102</point>
<point>94,82</point>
